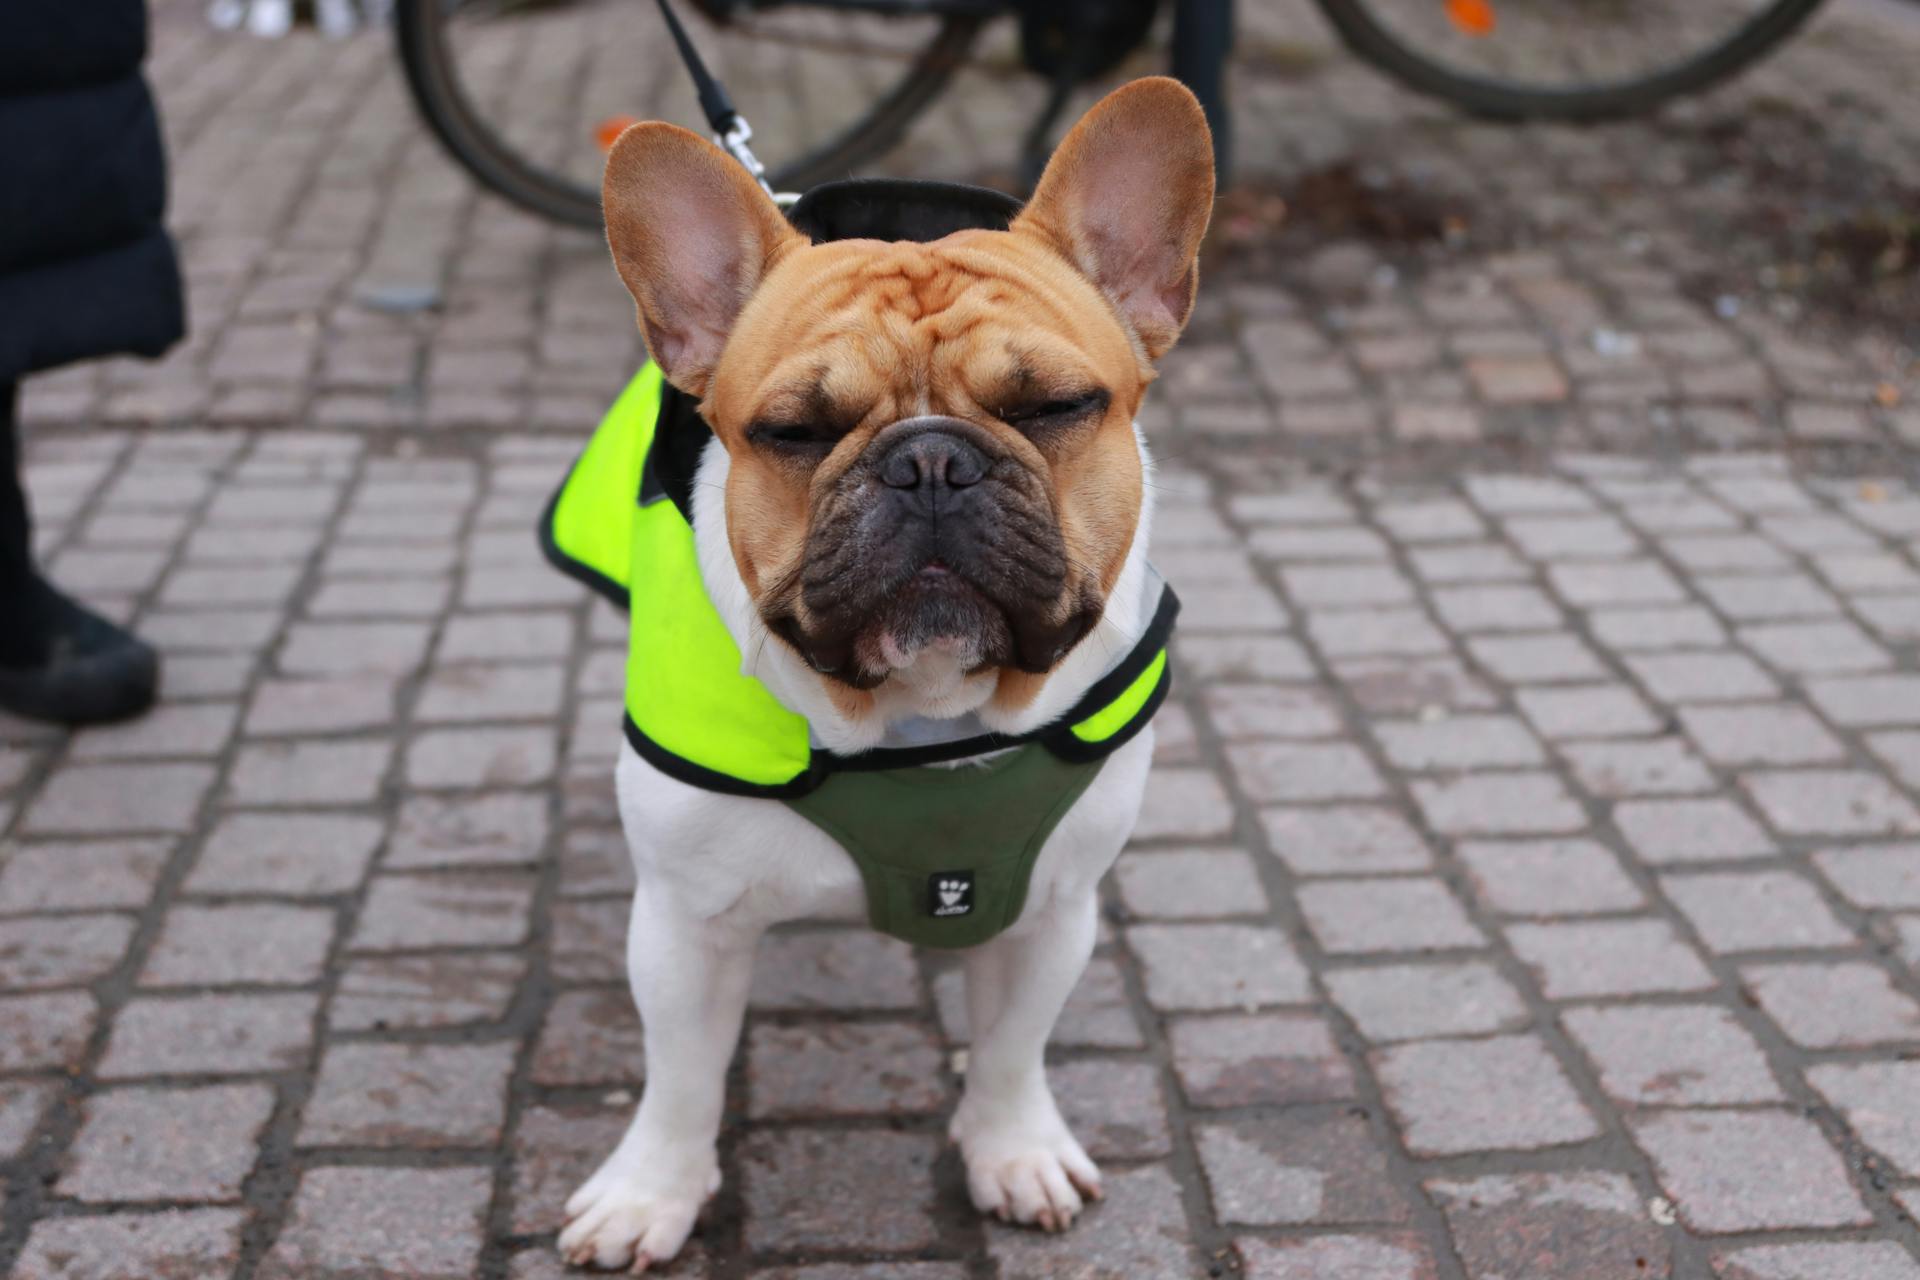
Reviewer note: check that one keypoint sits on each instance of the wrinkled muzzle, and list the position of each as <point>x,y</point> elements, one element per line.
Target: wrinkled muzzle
<point>936,537</point>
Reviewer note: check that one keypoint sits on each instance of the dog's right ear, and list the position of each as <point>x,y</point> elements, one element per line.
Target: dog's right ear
<point>692,235</point>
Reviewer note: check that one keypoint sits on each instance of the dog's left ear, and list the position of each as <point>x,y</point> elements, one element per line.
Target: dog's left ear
<point>1127,197</point>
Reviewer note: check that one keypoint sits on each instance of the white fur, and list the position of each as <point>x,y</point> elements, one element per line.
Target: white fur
<point>716,871</point>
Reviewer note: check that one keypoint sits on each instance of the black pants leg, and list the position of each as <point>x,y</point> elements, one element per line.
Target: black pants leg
<point>16,531</point>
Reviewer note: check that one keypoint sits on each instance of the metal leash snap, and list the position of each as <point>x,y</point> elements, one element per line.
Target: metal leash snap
<point>731,132</point>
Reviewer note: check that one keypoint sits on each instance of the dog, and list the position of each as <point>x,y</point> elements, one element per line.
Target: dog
<point>921,520</point>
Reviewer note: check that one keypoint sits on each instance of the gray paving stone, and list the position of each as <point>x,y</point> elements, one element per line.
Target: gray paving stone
<point>1271,711</point>
<point>448,909</point>
<point>1762,734</point>
<point>1336,1257</point>
<point>1901,751</point>
<point>1527,659</point>
<point>1344,840</point>
<point>844,1068</point>
<point>1674,831</point>
<point>797,1182</point>
<point>1734,1171</point>
<point>1831,802</point>
<point>1874,877</point>
<point>1659,628</point>
<point>1459,743</point>
<point>1756,911</point>
<point>1138,1229</point>
<point>1507,1093</point>
<point>1868,701</point>
<point>1187,803</point>
<point>22,1104</point>
<point>1417,1002</point>
<point>1233,1060</point>
<point>1833,1006</point>
<point>166,1144</point>
<point>408,1095</point>
<point>1673,1055</point>
<point>45,1030</point>
<point>1114,1107</point>
<point>240,1034</point>
<point>1873,1260</point>
<point>481,758</point>
<point>309,772</point>
<point>366,1221</point>
<point>1295,1167</point>
<point>1546,878</point>
<point>1385,915</point>
<point>843,969</point>
<point>1276,772</point>
<point>1190,883</point>
<point>290,854</point>
<point>590,1038</point>
<point>172,1244</point>
<point>1482,608</point>
<point>112,798</point>
<point>81,875</point>
<point>271,945</point>
<point>483,830</point>
<point>289,708</point>
<point>1496,804</point>
<point>61,951</point>
<point>1217,966</point>
<point>1881,1103</point>
<point>1815,648</point>
<point>432,989</point>
<point>1579,960</point>
<point>1552,1226</point>
<point>1703,676</point>
<point>1637,767</point>
<point>1587,711</point>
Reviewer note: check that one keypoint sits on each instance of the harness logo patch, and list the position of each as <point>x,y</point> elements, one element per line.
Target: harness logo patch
<point>950,893</point>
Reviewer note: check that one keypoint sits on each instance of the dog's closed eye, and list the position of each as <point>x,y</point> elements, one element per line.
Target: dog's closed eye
<point>1056,412</point>
<point>792,437</point>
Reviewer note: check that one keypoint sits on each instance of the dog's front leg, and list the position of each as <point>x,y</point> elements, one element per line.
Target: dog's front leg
<point>1022,1163</point>
<point>690,980</point>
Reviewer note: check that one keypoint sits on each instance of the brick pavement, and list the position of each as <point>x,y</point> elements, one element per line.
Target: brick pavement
<point>1530,884</point>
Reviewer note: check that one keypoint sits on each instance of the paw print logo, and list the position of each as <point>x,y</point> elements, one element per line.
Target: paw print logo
<point>950,893</point>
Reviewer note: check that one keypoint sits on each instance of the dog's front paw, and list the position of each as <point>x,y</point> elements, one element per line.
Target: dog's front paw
<point>628,1215</point>
<point>1026,1169</point>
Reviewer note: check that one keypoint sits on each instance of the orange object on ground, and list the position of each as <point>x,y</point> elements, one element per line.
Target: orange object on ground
<point>1475,17</point>
<point>607,131</point>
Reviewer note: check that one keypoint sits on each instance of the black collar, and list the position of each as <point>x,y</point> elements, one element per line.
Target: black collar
<point>858,209</point>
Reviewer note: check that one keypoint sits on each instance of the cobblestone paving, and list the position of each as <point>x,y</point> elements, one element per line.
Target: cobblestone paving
<point>1529,888</point>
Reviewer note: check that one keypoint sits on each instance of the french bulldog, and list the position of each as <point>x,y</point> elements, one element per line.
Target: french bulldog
<point>986,383</point>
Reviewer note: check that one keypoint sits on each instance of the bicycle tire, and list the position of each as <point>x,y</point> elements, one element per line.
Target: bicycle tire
<point>433,82</point>
<point>1503,100</point>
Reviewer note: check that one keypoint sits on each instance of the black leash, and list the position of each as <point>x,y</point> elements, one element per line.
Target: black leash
<point>730,128</point>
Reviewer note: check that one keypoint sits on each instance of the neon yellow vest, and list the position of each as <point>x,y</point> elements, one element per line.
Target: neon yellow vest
<point>690,711</point>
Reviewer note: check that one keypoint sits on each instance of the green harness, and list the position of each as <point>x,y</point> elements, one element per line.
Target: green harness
<point>945,853</point>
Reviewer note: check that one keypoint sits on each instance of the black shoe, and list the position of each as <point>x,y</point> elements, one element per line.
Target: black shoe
<point>61,661</point>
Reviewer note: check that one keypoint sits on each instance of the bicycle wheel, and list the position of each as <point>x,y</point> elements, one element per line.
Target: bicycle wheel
<point>1562,59</point>
<point>528,94</point>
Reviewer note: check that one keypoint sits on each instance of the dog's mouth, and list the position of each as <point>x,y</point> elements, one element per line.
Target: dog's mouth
<point>934,608</point>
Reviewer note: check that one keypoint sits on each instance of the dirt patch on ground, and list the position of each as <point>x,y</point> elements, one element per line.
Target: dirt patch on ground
<point>1365,217</point>
<point>1805,220</point>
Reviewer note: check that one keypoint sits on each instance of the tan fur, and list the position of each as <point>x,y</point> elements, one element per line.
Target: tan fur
<point>1092,283</point>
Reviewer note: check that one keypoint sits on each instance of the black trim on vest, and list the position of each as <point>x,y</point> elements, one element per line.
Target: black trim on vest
<point>589,577</point>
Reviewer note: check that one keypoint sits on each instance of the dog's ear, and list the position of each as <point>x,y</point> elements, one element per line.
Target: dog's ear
<point>1127,197</point>
<point>692,234</point>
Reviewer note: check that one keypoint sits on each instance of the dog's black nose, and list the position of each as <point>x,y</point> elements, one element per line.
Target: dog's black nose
<point>929,461</point>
